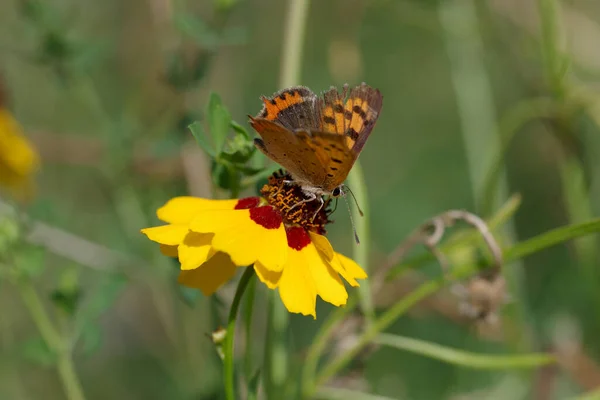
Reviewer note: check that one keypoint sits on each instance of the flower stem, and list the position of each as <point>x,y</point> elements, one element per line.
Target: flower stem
<point>552,38</point>
<point>292,43</point>
<point>407,302</point>
<point>518,251</point>
<point>319,344</point>
<point>248,329</point>
<point>228,370</point>
<point>65,367</point>
<point>275,349</point>
<point>356,181</point>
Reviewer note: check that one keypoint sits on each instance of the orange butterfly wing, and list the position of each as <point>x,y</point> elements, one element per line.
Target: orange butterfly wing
<point>317,139</point>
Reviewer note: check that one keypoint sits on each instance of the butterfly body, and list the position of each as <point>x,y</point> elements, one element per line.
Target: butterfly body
<point>317,139</point>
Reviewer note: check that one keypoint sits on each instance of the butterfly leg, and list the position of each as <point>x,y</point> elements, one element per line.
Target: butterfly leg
<point>310,197</point>
<point>318,209</point>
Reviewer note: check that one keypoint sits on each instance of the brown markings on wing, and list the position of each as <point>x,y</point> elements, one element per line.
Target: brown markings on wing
<point>291,150</point>
<point>351,114</point>
<point>335,158</point>
<point>294,108</point>
<point>317,139</point>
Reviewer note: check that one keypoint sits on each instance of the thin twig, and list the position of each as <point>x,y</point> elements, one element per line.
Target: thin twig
<point>431,233</point>
<point>483,294</point>
<point>72,247</point>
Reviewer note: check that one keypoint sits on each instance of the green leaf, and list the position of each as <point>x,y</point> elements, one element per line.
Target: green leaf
<point>30,260</point>
<point>593,394</point>
<point>105,296</point>
<point>239,150</point>
<point>253,384</point>
<point>240,129</point>
<point>221,177</point>
<point>196,29</point>
<point>37,351</point>
<point>200,136</point>
<point>67,295</point>
<point>66,299</point>
<point>98,302</point>
<point>90,339</point>
<point>219,121</point>
<point>337,393</point>
<point>250,171</point>
<point>465,358</point>
<point>551,238</point>
<point>188,295</point>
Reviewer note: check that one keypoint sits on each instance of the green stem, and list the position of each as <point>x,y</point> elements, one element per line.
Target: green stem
<point>248,330</point>
<point>228,369</point>
<point>293,42</point>
<point>407,302</point>
<point>319,344</point>
<point>551,41</point>
<point>472,88</point>
<point>522,113</point>
<point>459,239</point>
<point>426,289</point>
<point>337,393</point>
<point>276,350</point>
<point>465,358</point>
<point>357,183</point>
<point>593,394</point>
<point>65,367</point>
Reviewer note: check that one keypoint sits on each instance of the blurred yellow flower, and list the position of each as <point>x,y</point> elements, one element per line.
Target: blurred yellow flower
<point>212,238</point>
<point>18,159</point>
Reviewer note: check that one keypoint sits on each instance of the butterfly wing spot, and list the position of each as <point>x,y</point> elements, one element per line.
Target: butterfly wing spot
<point>352,134</point>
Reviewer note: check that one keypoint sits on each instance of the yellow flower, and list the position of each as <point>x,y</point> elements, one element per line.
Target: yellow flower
<point>18,159</point>
<point>285,244</point>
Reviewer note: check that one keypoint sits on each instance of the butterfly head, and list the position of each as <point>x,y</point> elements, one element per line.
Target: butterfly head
<point>338,192</point>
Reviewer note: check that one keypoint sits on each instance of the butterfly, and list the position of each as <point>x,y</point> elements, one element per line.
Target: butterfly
<point>317,138</point>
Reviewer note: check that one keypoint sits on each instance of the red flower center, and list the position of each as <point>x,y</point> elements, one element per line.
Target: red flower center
<point>248,202</point>
<point>266,216</point>
<point>297,237</point>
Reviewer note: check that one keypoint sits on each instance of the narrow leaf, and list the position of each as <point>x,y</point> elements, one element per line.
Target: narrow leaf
<point>200,136</point>
<point>464,358</point>
<point>253,385</point>
<point>551,238</point>
<point>219,121</point>
<point>37,351</point>
<point>335,393</point>
<point>240,129</point>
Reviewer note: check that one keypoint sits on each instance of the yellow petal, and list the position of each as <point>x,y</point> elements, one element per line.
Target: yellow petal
<point>269,278</point>
<point>328,284</point>
<point>181,210</point>
<point>296,286</point>
<point>349,269</point>
<point>170,235</point>
<point>16,153</point>
<point>322,245</point>
<point>210,276</point>
<point>194,250</point>
<point>18,158</point>
<point>243,239</point>
<point>169,251</point>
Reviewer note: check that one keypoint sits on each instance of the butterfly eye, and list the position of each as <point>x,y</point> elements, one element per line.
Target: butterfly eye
<point>337,192</point>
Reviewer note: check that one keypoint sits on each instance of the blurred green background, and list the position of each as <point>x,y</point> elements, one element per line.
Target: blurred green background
<point>105,90</point>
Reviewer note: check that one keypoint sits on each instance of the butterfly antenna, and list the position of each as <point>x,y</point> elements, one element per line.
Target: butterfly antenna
<point>355,201</point>
<point>352,221</point>
<point>335,207</point>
